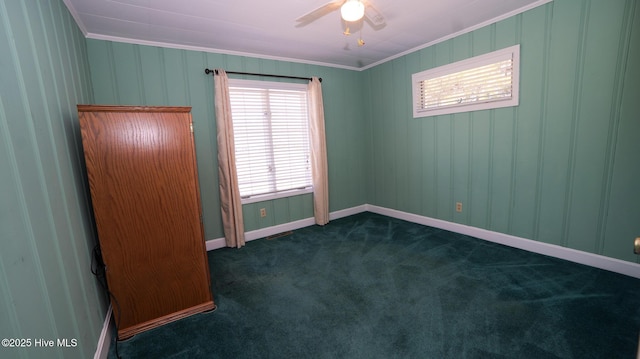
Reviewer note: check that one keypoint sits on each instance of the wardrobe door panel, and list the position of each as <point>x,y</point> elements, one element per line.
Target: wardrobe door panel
<point>143,180</point>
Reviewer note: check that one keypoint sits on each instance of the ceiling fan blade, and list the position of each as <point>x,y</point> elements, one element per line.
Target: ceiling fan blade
<point>321,11</point>
<point>373,16</point>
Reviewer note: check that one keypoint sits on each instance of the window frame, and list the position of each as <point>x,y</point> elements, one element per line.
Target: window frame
<point>273,85</point>
<point>512,52</point>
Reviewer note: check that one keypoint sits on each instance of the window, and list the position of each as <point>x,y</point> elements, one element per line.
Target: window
<point>271,134</point>
<point>479,83</point>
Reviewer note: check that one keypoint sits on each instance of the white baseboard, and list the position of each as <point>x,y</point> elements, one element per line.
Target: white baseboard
<point>102,351</point>
<point>590,259</point>
<point>348,212</point>
<point>261,233</point>
<point>552,250</point>
<point>213,244</point>
<point>291,226</point>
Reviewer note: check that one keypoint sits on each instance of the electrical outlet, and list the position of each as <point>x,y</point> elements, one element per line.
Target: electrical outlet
<point>263,212</point>
<point>458,206</point>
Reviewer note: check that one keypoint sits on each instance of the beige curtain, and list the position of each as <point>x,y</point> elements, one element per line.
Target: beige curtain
<point>230,205</point>
<point>318,153</point>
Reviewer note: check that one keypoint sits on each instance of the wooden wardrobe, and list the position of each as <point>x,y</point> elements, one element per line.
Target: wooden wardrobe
<point>143,180</point>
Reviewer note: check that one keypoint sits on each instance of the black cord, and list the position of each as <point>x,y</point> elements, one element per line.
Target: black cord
<point>97,257</point>
<point>116,321</point>
<point>99,270</point>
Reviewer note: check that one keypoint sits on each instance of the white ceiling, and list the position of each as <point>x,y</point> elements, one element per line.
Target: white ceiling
<point>267,29</point>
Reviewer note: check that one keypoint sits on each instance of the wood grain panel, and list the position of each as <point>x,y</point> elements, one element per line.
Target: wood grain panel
<point>143,179</point>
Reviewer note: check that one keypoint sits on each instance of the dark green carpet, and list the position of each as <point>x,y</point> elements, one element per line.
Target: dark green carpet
<point>370,286</point>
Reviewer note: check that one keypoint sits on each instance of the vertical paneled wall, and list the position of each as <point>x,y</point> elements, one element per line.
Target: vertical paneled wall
<point>559,168</point>
<point>47,290</point>
<point>127,74</point>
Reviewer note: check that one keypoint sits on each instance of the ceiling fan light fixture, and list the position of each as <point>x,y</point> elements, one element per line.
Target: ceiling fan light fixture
<point>352,10</point>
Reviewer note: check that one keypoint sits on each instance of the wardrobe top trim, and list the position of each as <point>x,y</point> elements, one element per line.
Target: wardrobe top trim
<point>114,108</point>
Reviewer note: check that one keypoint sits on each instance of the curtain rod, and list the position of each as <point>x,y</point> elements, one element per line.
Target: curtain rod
<point>207,71</point>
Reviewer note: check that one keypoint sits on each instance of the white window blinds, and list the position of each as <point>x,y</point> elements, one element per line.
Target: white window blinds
<point>481,82</point>
<point>271,133</point>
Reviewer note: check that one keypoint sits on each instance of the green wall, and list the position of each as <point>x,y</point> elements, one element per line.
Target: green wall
<point>127,74</point>
<point>561,168</point>
<point>47,290</point>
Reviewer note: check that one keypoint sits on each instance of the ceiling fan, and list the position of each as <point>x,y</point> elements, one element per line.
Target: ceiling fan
<point>350,10</point>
